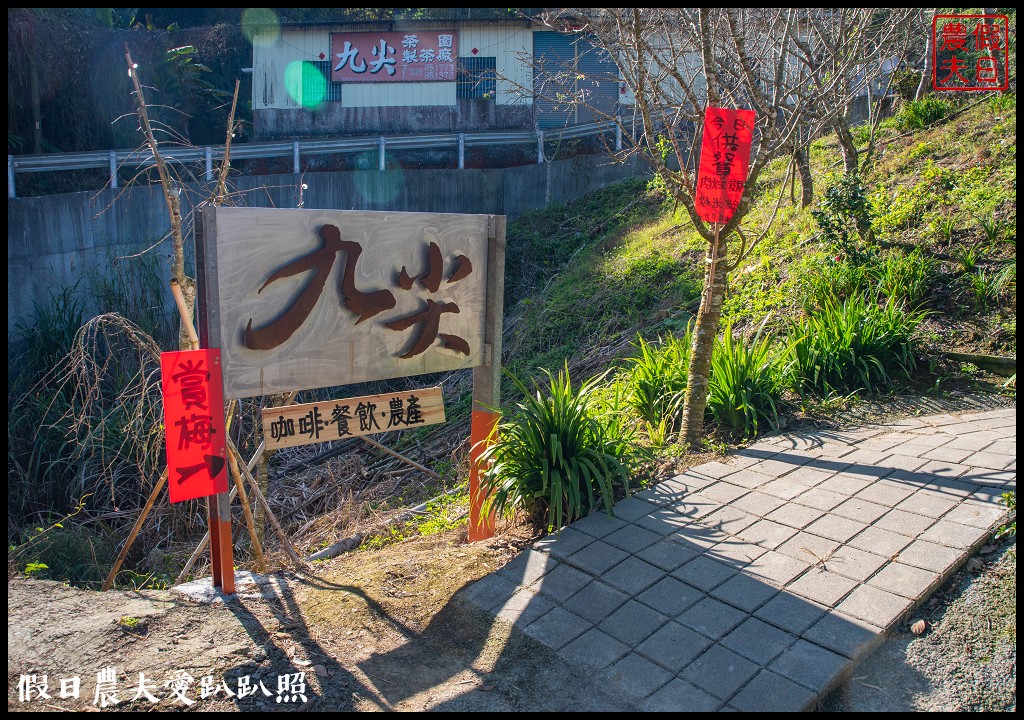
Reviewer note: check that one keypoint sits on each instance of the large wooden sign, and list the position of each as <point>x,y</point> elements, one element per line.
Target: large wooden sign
<point>300,299</point>
<point>194,424</point>
<point>294,425</point>
<point>724,156</point>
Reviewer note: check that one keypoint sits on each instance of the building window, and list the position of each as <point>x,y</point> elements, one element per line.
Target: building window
<point>333,93</point>
<point>476,78</point>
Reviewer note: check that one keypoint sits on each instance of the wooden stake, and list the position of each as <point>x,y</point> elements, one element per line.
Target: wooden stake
<point>199,550</point>
<point>250,522</point>
<point>135,531</point>
<point>186,317</point>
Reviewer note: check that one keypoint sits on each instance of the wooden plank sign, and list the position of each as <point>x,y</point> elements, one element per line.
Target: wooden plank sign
<point>299,299</point>
<point>724,156</point>
<point>194,424</point>
<point>294,425</point>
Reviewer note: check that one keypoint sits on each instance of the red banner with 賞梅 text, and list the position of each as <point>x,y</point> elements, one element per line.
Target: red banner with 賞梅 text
<point>194,424</point>
<point>724,156</point>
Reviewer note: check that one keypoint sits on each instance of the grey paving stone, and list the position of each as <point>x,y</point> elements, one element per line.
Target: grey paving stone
<point>757,503</point>
<point>717,470</point>
<point>758,641</point>
<point>952,534</point>
<point>835,528</point>
<point>975,515</point>
<point>880,542</point>
<point>748,479</point>
<point>767,533</point>
<point>904,523</point>
<point>820,499</point>
<point>859,509</point>
<point>527,567</point>
<point>735,552</point>
<point>704,573</point>
<point>782,489</point>
<point>597,557</point>
<point>991,460</point>
<point>845,484</point>
<point>948,471</point>
<point>525,606</point>
<point>711,617</point>
<point>693,481</point>
<point>906,580</point>
<point>595,601</point>
<point>987,495</point>
<point>724,492</point>
<point>670,596</point>
<point>930,556</point>
<point>680,696</point>
<point>632,509</point>
<point>776,568</point>
<point>668,555</point>
<point>562,582</point>
<point>729,520</point>
<point>635,677</point>
<point>886,493</point>
<point>664,521</point>
<point>795,515</point>
<point>490,591</point>
<point>697,535</point>
<point>769,692</point>
<point>867,458</point>
<point>959,488</point>
<point>720,672</point>
<point>744,592</point>
<point>880,608</point>
<point>594,649</point>
<point>906,463</point>
<point>633,575</point>
<point>809,548</point>
<point>1003,447</point>
<point>564,543</point>
<point>822,586</point>
<point>845,635</point>
<point>697,506</point>
<point>927,503</point>
<point>598,524</point>
<point>673,646</point>
<point>557,627</point>
<point>855,564</point>
<point>809,665</point>
<point>790,612</point>
<point>809,476</point>
<point>662,494</point>
<point>632,538</point>
<point>632,623</point>
<point>947,453</point>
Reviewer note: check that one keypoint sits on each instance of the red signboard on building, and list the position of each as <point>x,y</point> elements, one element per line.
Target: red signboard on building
<point>724,155</point>
<point>414,56</point>
<point>194,424</point>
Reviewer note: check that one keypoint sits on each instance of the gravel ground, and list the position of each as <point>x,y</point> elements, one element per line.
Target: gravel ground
<point>965,661</point>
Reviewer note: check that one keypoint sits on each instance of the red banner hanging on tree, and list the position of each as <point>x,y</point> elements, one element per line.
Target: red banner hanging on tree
<point>724,156</point>
<point>194,424</point>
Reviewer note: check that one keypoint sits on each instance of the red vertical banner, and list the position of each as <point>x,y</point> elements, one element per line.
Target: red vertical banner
<point>724,157</point>
<point>194,424</point>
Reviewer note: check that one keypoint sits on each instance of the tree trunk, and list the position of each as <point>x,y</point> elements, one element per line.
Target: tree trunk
<point>803,164</point>
<point>926,74</point>
<point>705,331</point>
<point>846,144</point>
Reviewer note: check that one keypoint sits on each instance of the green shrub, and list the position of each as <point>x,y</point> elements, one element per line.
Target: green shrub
<point>745,392</point>
<point>833,278</point>
<point>557,456</point>
<point>657,380</point>
<point>990,286</point>
<point>903,277</point>
<point>852,345</point>
<point>919,114</point>
<point>843,217</point>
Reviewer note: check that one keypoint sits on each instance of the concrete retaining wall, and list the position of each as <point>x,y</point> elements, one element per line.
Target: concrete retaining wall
<point>55,241</point>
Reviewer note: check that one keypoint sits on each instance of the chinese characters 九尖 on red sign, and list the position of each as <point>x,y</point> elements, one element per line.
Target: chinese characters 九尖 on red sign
<point>421,56</point>
<point>194,424</point>
<point>724,154</point>
<point>970,52</point>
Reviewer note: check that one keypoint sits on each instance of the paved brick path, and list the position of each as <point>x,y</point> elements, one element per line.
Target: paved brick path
<point>755,583</point>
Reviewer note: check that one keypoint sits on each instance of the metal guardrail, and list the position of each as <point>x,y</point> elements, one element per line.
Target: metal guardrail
<point>115,159</point>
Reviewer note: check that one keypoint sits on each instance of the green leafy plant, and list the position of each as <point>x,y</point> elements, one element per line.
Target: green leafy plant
<point>745,392</point>
<point>988,286</point>
<point>844,221</point>
<point>968,257</point>
<point>1010,528</point>
<point>945,228</point>
<point>657,380</point>
<point>852,345</point>
<point>557,457</point>
<point>919,114</point>
<point>903,277</point>
<point>34,568</point>
<point>992,227</point>
<point>835,277</point>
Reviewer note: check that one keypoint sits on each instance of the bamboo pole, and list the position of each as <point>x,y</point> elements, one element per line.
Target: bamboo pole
<point>200,549</point>
<point>186,317</point>
<point>135,531</point>
<point>250,522</point>
<point>254,486</point>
